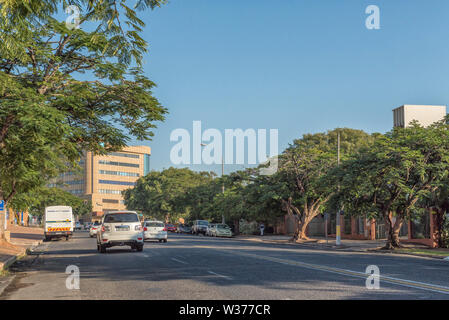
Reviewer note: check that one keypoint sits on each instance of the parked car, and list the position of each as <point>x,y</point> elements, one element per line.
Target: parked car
<point>183,228</point>
<point>120,228</point>
<point>78,226</point>
<point>221,230</point>
<point>170,227</point>
<point>200,226</point>
<point>94,229</point>
<point>154,230</point>
<point>210,229</point>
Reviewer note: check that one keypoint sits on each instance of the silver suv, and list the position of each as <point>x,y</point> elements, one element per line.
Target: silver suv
<point>120,228</point>
<point>200,226</point>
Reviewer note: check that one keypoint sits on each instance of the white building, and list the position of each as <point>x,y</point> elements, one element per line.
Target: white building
<point>424,114</point>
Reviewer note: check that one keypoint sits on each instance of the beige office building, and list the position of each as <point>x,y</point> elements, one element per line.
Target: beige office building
<point>424,114</point>
<point>103,178</point>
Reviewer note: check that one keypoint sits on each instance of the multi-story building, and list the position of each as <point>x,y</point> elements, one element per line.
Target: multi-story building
<point>103,178</point>
<point>424,114</point>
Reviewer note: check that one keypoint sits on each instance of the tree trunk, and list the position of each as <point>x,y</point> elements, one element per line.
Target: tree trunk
<point>393,231</point>
<point>301,230</point>
<point>439,227</point>
<point>302,235</point>
<point>236,227</point>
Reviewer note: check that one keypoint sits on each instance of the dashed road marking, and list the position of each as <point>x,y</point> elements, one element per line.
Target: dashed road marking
<point>177,260</point>
<point>219,275</point>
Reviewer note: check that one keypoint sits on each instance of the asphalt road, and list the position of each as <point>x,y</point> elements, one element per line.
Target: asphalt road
<point>196,268</point>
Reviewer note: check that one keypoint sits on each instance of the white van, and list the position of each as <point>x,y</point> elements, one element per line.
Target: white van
<point>59,222</point>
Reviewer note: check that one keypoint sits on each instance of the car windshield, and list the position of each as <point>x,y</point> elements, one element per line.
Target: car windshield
<point>222,226</point>
<point>121,217</point>
<point>203,223</point>
<point>154,224</point>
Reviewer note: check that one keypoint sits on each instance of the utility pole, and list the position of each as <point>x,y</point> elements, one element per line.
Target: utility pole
<point>338,227</point>
<point>223,186</point>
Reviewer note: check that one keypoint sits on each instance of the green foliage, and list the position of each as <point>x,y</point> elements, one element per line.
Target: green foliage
<point>162,195</point>
<point>38,199</point>
<point>65,91</point>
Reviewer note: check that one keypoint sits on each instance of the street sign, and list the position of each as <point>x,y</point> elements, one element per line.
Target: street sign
<point>2,205</point>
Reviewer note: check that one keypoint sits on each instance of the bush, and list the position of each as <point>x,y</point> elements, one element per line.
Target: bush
<point>248,228</point>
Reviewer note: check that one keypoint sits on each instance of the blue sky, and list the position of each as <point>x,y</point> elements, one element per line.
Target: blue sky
<point>299,66</point>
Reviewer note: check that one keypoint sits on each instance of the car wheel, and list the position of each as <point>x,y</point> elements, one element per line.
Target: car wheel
<point>102,248</point>
<point>139,248</point>
<point>165,240</point>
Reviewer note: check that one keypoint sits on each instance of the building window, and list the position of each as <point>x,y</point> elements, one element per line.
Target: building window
<point>110,201</point>
<point>120,173</point>
<point>126,155</point>
<point>120,183</point>
<point>79,191</point>
<point>105,191</point>
<point>121,164</point>
<point>73,182</point>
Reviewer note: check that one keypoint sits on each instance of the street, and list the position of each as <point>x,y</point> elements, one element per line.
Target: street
<point>197,268</point>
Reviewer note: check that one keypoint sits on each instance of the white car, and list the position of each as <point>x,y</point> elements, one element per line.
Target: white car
<point>155,230</point>
<point>210,229</point>
<point>120,228</point>
<point>94,229</point>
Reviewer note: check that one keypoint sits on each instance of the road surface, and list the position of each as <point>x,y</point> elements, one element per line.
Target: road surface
<point>197,267</point>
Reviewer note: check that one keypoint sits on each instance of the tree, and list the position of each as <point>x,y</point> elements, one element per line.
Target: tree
<point>301,180</point>
<point>37,200</point>
<point>387,180</point>
<point>64,91</point>
<point>159,194</point>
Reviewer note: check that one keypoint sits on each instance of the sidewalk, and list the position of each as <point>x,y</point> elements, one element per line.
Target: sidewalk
<point>22,238</point>
<point>321,243</point>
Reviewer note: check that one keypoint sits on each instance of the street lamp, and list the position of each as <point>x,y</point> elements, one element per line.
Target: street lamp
<point>338,226</point>
<point>222,174</point>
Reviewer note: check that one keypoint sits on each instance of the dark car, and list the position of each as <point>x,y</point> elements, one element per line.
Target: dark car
<point>183,228</point>
<point>170,227</point>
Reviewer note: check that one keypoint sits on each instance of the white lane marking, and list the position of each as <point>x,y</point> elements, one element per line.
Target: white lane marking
<point>220,275</point>
<point>146,256</point>
<point>397,281</point>
<point>174,259</point>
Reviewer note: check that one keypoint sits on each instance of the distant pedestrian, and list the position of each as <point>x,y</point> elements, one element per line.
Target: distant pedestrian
<point>262,228</point>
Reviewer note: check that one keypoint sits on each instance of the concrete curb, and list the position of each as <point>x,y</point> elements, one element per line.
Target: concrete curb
<point>10,261</point>
<point>318,246</point>
<point>5,284</point>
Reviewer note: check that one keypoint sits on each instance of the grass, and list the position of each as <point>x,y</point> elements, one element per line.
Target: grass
<point>4,273</point>
<point>434,252</point>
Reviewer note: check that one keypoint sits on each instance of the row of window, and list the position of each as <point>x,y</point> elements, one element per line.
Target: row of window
<point>119,183</point>
<point>78,191</point>
<point>126,155</point>
<point>120,173</point>
<point>121,164</point>
<point>110,201</point>
<point>113,201</point>
<point>73,182</point>
<point>110,191</point>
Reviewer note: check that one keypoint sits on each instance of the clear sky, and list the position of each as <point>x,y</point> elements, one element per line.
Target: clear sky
<point>299,66</point>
